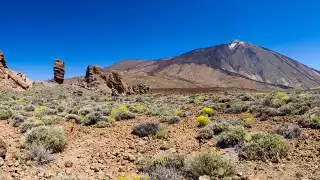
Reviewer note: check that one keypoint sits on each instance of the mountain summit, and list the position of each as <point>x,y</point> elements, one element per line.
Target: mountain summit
<point>233,64</point>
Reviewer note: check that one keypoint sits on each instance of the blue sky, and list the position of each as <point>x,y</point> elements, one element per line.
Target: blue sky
<point>102,32</point>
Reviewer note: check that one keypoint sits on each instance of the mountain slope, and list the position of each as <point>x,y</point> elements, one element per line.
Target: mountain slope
<point>235,64</point>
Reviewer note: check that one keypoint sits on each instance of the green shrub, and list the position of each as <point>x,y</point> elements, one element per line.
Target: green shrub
<point>123,115</point>
<point>265,146</point>
<point>203,121</point>
<point>18,119</point>
<point>231,137</point>
<point>85,111</point>
<point>92,118</point>
<point>162,133</point>
<point>50,137</point>
<point>311,119</point>
<point>208,163</point>
<point>181,113</point>
<point>288,132</point>
<point>73,118</point>
<point>24,127</point>
<point>4,114</point>
<point>170,119</point>
<point>164,173</point>
<point>207,111</point>
<point>50,120</point>
<point>102,124</point>
<point>168,159</point>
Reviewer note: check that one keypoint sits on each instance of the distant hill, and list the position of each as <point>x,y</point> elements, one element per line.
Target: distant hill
<point>236,64</point>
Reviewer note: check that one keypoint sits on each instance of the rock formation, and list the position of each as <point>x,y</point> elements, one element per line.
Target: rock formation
<point>140,89</point>
<point>10,79</point>
<point>115,81</point>
<point>2,60</point>
<point>3,149</point>
<point>112,83</point>
<point>58,71</point>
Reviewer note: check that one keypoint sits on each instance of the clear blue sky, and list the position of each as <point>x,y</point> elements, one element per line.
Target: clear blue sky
<point>34,32</point>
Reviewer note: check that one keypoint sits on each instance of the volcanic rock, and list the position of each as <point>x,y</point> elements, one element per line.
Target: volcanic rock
<point>10,79</point>
<point>59,71</point>
<point>2,60</point>
<point>115,81</point>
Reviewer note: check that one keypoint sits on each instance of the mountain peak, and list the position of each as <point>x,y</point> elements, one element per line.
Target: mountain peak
<point>234,43</point>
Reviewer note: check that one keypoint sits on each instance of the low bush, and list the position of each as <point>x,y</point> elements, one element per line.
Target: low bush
<point>231,136</point>
<point>164,173</point>
<point>207,111</point>
<point>17,120</point>
<point>170,119</point>
<point>265,146</point>
<point>203,121</point>
<point>92,118</point>
<point>40,154</point>
<point>168,159</point>
<point>85,110</point>
<point>208,163</point>
<point>311,119</point>
<point>102,124</point>
<point>24,127</point>
<point>146,129</point>
<point>123,115</point>
<point>4,114</point>
<point>288,132</point>
<point>52,138</point>
<point>181,114</point>
<point>162,133</point>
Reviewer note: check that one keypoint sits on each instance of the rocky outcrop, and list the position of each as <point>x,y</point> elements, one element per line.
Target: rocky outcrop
<point>139,89</point>
<point>59,71</point>
<point>112,83</point>
<point>2,60</point>
<point>115,81</point>
<point>10,79</point>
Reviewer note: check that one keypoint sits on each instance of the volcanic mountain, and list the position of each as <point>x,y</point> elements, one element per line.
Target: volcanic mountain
<point>236,64</point>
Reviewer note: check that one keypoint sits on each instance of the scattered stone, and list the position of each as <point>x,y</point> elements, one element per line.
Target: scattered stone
<point>3,149</point>
<point>68,164</point>
<point>204,178</point>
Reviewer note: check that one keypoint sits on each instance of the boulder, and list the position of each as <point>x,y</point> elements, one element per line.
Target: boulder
<point>3,149</point>
<point>20,79</point>
<point>59,71</point>
<point>96,79</point>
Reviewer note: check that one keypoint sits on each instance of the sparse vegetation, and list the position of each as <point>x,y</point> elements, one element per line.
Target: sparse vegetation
<point>203,121</point>
<point>265,146</point>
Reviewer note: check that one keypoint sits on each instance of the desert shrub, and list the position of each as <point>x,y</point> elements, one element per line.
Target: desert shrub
<point>123,115</point>
<point>49,120</point>
<point>285,110</point>
<point>207,111</point>
<point>85,111</point>
<point>146,129</point>
<point>288,132</point>
<point>265,146</point>
<point>203,121</point>
<point>17,120</point>
<point>24,127</point>
<point>66,177</point>
<point>73,118</point>
<point>245,97</point>
<point>162,133</point>
<point>164,173</point>
<point>60,108</point>
<point>311,119</point>
<point>101,124</point>
<point>236,109</point>
<point>50,137</point>
<point>208,163</point>
<point>29,108</point>
<point>129,177</point>
<point>4,114</point>
<point>40,154</point>
<point>181,113</point>
<point>301,110</point>
<point>231,137</point>
<point>280,95</point>
<point>170,119</point>
<point>168,159</point>
<point>92,118</point>
<point>264,117</point>
<point>205,133</point>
